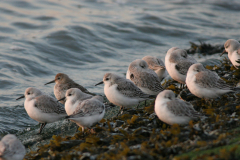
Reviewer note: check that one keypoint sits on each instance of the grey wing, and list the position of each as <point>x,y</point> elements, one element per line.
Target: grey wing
<point>193,60</point>
<point>147,80</point>
<point>152,65</point>
<point>75,85</point>
<point>209,79</point>
<point>48,104</point>
<point>88,107</point>
<point>160,62</point>
<point>128,88</point>
<point>155,63</point>
<point>183,66</point>
<point>182,108</point>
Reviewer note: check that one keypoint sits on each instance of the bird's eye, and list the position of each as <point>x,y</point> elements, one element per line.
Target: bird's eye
<point>142,66</point>
<point>58,78</point>
<point>69,94</point>
<point>131,76</point>
<point>107,79</point>
<point>166,96</point>
<point>227,45</point>
<point>28,93</point>
<point>184,55</point>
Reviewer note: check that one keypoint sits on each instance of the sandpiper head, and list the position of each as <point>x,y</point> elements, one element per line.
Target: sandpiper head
<point>177,55</point>
<point>9,137</point>
<point>154,63</point>
<point>149,59</point>
<point>166,94</point>
<point>195,68</point>
<point>138,64</point>
<point>11,148</point>
<point>31,93</point>
<point>73,93</point>
<point>183,53</point>
<point>169,52</point>
<point>230,46</point>
<point>109,79</point>
<point>6,140</point>
<point>60,78</point>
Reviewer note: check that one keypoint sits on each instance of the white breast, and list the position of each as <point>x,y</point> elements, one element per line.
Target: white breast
<point>70,107</point>
<point>234,57</point>
<point>114,96</point>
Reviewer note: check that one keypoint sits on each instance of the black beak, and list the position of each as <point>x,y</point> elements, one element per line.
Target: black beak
<point>20,97</point>
<point>223,52</point>
<point>50,82</point>
<point>99,83</point>
<point>62,99</point>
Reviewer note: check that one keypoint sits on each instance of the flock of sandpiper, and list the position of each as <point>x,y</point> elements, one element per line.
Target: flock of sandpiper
<point>142,82</point>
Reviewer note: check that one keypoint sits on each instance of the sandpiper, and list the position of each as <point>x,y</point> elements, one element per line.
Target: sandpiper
<point>41,107</point>
<point>63,83</point>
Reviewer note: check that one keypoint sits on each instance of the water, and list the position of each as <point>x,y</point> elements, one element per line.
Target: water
<point>86,39</point>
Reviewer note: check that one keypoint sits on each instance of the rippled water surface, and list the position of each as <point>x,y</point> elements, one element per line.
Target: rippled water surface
<point>86,39</point>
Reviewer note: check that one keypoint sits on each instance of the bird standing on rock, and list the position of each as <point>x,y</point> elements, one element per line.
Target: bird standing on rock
<point>204,83</point>
<point>177,63</point>
<point>83,109</point>
<point>121,91</point>
<point>172,110</point>
<point>143,77</point>
<point>41,107</point>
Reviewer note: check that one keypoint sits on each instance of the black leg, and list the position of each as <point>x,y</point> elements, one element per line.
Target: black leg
<point>41,127</point>
<point>186,86</point>
<point>121,108</point>
<point>181,86</point>
<point>77,129</point>
<point>139,103</point>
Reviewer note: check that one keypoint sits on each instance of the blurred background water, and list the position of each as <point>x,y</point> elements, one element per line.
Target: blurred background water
<point>86,39</point>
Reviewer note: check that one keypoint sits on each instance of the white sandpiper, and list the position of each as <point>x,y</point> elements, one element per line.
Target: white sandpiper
<point>122,92</point>
<point>41,107</point>
<point>11,148</point>
<point>232,47</point>
<point>86,112</point>
<point>157,65</point>
<point>73,97</point>
<point>204,83</point>
<point>143,77</point>
<point>172,110</point>
<point>177,63</point>
<point>63,83</point>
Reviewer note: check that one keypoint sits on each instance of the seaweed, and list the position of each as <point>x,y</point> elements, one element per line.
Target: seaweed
<point>204,48</point>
